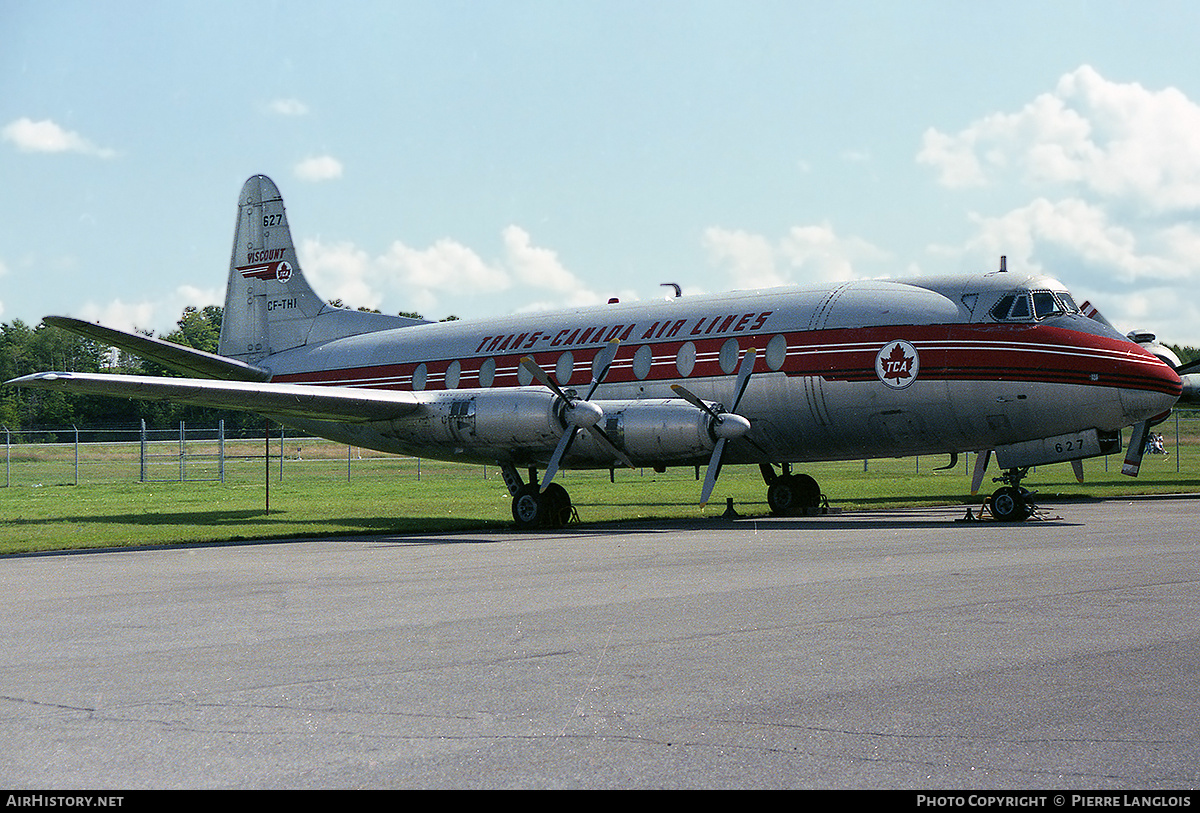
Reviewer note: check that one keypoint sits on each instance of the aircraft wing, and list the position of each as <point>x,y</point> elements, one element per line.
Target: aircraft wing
<point>173,356</point>
<point>345,404</point>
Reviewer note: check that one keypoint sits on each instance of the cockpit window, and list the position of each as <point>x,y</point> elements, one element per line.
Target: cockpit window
<point>1044,304</point>
<point>1001,308</point>
<point>1020,308</point>
<point>1023,305</point>
<point>1012,306</point>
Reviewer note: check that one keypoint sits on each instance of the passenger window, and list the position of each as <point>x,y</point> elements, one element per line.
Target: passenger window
<point>487,373</point>
<point>685,359</point>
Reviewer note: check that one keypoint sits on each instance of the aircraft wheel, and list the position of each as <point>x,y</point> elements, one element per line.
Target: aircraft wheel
<point>555,506</point>
<point>525,507</point>
<point>793,494</point>
<point>1010,504</point>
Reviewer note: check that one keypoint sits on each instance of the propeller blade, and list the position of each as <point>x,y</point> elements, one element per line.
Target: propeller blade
<point>687,395</point>
<point>714,470</point>
<point>981,464</point>
<point>603,439</point>
<point>564,444</point>
<point>606,355</point>
<point>1077,467</point>
<point>1089,310</point>
<point>1137,448</point>
<point>1189,367</point>
<point>744,371</point>
<point>538,373</point>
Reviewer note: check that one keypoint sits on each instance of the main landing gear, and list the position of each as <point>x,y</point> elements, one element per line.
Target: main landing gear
<point>533,508</point>
<point>790,494</point>
<point>1011,502</point>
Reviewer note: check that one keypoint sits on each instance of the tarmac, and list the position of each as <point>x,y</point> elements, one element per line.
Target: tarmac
<point>873,650</point>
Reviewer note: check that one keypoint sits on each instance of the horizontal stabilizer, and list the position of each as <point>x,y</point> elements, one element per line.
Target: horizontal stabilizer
<point>173,356</point>
<point>345,404</point>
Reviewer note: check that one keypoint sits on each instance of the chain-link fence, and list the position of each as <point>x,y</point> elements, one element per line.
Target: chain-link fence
<point>131,454</point>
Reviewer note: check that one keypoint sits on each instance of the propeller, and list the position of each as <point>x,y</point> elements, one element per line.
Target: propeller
<point>726,426</point>
<point>1137,448</point>
<point>981,464</point>
<point>1186,372</point>
<point>578,413</point>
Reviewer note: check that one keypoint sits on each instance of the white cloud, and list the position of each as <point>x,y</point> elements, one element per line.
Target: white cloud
<point>318,168</point>
<point>46,136</point>
<point>287,107</point>
<point>806,254</point>
<point>749,258</point>
<point>1083,232</point>
<point>1110,173</point>
<point>444,275</point>
<point>1117,142</point>
<point>160,315</point>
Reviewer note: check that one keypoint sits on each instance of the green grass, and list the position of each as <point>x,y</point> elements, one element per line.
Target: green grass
<point>327,495</point>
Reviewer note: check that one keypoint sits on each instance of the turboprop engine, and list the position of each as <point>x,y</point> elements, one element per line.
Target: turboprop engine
<point>526,425</point>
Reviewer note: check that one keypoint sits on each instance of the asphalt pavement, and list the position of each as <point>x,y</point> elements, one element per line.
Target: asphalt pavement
<point>889,649</point>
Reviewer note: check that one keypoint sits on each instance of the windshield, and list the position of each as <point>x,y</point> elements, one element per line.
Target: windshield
<point>1026,305</point>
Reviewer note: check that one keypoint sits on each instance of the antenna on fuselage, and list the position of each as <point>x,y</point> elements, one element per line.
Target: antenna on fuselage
<point>1003,263</point>
<point>675,285</point>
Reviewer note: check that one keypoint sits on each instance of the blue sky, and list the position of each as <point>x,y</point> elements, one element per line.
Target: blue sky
<point>499,156</point>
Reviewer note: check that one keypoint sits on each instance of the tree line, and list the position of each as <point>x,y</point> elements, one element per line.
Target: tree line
<point>25,350</point>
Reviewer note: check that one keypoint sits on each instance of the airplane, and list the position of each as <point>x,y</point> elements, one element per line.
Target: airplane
<point>998,363</point>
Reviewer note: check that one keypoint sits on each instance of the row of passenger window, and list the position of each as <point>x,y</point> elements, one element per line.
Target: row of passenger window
<point>643,361</point>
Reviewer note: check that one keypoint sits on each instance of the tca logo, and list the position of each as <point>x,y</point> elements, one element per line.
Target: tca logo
<point>897,364</point>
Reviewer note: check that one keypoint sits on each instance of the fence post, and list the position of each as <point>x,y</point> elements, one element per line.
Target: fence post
<point>7,457</point>
<point>76,428</point>
<point>221,448</point>
<point>142,455</point>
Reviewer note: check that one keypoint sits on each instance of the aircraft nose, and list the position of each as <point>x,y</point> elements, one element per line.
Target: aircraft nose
<point>1156,392</point>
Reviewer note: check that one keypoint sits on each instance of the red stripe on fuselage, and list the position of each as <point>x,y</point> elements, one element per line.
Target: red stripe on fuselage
<point>1036,353</point>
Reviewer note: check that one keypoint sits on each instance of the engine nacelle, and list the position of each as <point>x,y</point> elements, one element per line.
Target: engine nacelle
<point>480,424</point>
<point>650,432</point>
<point>523,425</point>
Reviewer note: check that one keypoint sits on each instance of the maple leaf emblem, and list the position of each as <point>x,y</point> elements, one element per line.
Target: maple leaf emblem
<point>897,364</point>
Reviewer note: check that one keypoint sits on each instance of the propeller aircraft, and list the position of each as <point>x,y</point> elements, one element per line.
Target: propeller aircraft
<point>1001,363</point>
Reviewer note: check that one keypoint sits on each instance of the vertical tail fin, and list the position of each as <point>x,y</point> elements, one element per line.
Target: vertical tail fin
<point>269,306</point>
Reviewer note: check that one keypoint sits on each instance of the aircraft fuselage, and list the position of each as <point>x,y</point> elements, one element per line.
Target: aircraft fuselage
<point>859,370</point>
